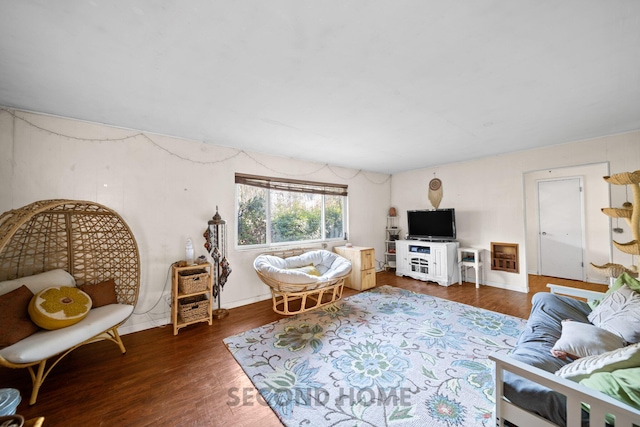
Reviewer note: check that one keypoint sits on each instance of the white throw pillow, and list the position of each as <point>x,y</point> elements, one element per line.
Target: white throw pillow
<point>584,339</point>
<point>622,358</point>
<point>619,312</point>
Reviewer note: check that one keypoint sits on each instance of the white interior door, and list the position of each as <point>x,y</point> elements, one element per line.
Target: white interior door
<point>560,233</point>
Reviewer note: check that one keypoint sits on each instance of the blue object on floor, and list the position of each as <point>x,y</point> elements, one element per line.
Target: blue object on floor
<point>9,401</point>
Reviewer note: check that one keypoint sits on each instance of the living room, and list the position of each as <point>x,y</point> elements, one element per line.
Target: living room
<point>148,181</point>
<point>168,187</point>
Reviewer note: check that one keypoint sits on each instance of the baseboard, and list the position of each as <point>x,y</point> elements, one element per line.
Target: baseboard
<point>247,301</point>
<point>141,326</point>
<point>166,320</point>
<point>598,280</point>
<point>523,289</point>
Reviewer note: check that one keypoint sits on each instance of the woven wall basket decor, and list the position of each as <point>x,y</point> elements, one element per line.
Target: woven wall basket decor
<point>435,192</point>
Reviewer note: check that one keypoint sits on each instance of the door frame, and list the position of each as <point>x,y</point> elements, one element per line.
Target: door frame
<point>583,230</point>
<point>598,226</point>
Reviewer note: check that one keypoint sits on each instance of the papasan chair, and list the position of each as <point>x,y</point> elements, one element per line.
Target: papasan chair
<point>314,278</point>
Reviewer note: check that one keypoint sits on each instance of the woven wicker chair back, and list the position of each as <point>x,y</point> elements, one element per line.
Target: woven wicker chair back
<point>88,240</point>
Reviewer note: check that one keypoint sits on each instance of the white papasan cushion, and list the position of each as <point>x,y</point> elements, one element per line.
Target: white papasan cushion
<point>38,282</point>
<point>622,358</point>
<point>44,344</point>
<point>329,264</point>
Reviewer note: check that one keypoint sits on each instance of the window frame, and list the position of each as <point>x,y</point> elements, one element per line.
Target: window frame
<point>293,185</point>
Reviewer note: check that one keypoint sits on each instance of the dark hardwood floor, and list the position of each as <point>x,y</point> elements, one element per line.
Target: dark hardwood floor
<point>191,379</point>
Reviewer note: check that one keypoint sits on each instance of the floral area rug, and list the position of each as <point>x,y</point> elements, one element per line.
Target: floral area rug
<point>386,357</point>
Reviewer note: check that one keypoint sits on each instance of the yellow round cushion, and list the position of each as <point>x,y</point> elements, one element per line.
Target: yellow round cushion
<point>58,307</point>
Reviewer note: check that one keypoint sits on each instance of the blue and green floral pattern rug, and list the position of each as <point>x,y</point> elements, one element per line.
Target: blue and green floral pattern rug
<point>379,358</point>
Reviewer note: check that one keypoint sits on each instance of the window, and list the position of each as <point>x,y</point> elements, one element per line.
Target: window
<point>278,210</point>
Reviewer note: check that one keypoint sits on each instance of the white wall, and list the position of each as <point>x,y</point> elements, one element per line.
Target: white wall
<point>488,195</point>
<point>166,189</point>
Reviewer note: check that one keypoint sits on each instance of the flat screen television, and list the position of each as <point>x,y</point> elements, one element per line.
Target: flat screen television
<point>436,225</point>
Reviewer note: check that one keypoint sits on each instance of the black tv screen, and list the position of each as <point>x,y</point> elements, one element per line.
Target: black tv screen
<point>439,224</point>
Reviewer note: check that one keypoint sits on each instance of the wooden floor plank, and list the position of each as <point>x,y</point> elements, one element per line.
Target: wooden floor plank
<point>191,379</point>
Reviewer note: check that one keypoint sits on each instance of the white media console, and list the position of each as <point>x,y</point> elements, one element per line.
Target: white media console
<point>428,261</point>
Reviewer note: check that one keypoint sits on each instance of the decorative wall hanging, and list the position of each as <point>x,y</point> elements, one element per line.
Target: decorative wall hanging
<point>216,244</point>
<point>435,192</point>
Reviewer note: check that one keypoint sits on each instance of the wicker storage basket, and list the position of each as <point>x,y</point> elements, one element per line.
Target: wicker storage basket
<point>190,282</point>
<point>193,308</point>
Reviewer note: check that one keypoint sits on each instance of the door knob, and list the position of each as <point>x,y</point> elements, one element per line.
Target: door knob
<point>544,233</point>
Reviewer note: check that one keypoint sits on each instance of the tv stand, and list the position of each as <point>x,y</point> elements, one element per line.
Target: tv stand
<point>428,261</point>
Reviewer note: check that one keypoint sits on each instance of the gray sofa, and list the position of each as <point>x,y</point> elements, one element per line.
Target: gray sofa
<point>534,346</point>
<point>596,364</point>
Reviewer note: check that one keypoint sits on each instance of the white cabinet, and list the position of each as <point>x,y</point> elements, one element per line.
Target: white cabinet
<point>428,261</point>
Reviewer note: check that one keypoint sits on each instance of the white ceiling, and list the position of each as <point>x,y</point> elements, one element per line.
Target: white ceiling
<point>376,85</point>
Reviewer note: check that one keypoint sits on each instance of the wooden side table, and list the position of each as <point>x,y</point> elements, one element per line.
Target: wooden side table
<point>363,266</point>
<point>196,302</point>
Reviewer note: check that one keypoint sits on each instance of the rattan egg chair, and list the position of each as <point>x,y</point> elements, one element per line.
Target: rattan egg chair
<point>88,240</point>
